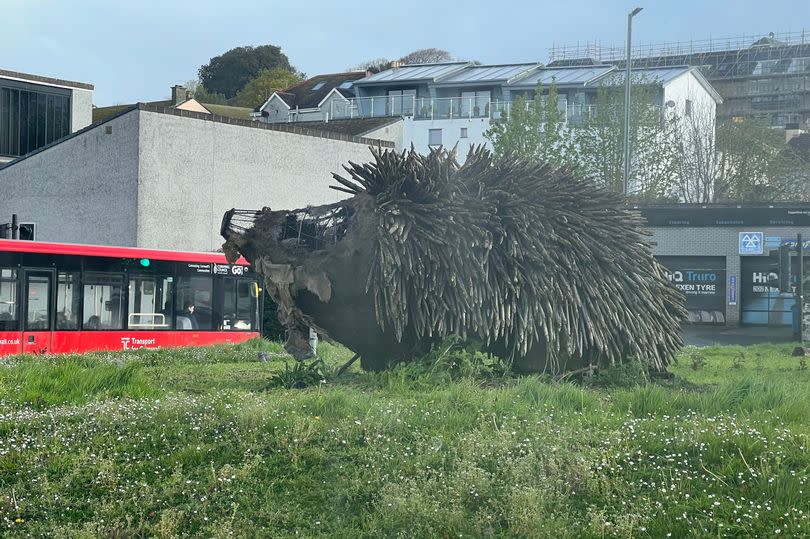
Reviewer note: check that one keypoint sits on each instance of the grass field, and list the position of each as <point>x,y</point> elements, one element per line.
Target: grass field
<point>199,443</point>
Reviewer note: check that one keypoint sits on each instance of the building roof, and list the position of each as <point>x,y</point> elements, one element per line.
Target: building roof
<point>309,93</point>
<point>294,128</point>
<point>416,73</point>
<point>354,127</point>
<point>489,74</point>
<point>661,75</point>
<point>101,113</point>
<point>564,76</point>
<point>227,111</point>
<point>238,113</point>
<point>44,80</point>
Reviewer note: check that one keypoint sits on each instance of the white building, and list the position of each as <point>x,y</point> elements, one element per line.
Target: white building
<point>455,103</point>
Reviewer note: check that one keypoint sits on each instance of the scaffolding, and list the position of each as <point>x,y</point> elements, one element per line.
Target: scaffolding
<point>767,77</point>
<point>742,47</point>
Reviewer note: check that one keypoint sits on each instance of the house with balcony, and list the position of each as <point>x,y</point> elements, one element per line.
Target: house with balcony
<point>310,100</point>
<point>454,103</point>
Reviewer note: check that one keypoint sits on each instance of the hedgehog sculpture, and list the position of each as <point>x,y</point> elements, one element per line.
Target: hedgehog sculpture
<point>546,270</point>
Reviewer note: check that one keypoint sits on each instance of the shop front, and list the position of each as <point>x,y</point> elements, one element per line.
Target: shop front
<point>702,279</point>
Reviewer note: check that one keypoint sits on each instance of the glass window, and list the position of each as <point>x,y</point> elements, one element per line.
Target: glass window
<point>42,120</point>
<point>193,306</point>
<point>318,86</point>
<point>463,132</point>
<point>150,302</point>
<point>103,301</point>
<point>240,305</point>
<point>38,302</point>
<point>30,119</point>
<point>434,137</point>
<point>22,133</point>
<point>68,301</point>
<point>8,300</point>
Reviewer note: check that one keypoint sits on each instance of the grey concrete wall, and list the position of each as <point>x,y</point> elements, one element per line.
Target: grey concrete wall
<point>81,109</point>
<point>716,241</point>
<point>193,170</point>
<point>81,190</point>
<point>392,132</point>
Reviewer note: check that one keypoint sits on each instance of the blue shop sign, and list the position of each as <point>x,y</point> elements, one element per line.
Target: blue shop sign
<point>751,243</point>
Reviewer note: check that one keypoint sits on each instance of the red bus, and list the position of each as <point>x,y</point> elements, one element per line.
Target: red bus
<point>60,298</point>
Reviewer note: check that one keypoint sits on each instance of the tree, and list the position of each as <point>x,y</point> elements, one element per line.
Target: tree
<point>736,160</point>
<point>192,85</point>
<point>426,56</point>
<point>694,143</point>
<point>591,141</point>
<point>533,130</point>
<point>259,89</point>
<point>374,66</point>
<point>599,143</point>
<point>204,96</point>
<point>419,56</point>
<point>229,72</point>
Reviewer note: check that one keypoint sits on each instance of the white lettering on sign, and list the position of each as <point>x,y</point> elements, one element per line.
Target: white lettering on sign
<point>11,342</point>
<point>697,289</point>
<point>132,343</point>
<point>760,277</point>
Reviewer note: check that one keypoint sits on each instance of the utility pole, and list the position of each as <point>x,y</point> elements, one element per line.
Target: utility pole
<point>627,99</point>
<point>800,298</point>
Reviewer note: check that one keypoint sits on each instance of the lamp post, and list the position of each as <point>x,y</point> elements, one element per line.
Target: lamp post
<point>627,100</point>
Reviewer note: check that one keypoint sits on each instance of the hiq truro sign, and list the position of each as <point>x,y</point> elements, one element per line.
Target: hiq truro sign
<point>695,282</point>
<point>751,243</point>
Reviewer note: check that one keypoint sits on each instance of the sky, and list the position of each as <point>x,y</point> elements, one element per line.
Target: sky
<point>136,50</point>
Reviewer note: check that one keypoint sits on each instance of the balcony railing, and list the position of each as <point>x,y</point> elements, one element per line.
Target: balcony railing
<point>440,108</point>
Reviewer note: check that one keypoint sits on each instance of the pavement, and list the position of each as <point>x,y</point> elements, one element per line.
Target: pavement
<point>697,335</point>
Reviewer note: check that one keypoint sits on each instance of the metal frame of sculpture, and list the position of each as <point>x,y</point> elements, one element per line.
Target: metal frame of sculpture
<point>545,269</point>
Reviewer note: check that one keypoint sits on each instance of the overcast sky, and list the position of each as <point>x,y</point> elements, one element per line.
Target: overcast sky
<point>135,50</point>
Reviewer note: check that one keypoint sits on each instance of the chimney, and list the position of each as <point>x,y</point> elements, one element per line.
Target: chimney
<point>178,94</point>
<point>395,64</point>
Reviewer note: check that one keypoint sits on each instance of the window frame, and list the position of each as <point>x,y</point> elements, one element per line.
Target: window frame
<point>134,277</point>
<point>14,286</point>
<point>77,300</point>
<point>23,103</point>
<point>179,300</point>
<point>220,306</point>
<point>431,142</point>
<point>88,276</point>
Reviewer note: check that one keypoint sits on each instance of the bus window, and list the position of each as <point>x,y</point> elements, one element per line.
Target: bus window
<point>193,307</point>
<point>240,305</point>
<point>8,300</point>
<point>68,300</point>
<point>38,300</point>
<point>103,301</point>
<point>150,302</point>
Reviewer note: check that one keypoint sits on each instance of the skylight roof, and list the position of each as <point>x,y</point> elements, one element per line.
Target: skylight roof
<point>318,86</point>
<point>346,84</point>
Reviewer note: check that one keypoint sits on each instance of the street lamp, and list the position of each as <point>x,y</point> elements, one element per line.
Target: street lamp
<point>627,100</point>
